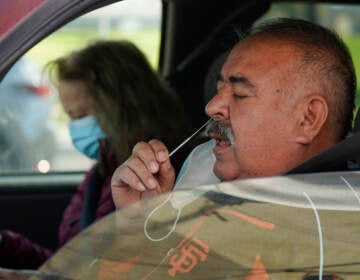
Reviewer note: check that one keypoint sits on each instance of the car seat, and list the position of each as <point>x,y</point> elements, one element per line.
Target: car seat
<point>212,76</point>
<point>343,156</point>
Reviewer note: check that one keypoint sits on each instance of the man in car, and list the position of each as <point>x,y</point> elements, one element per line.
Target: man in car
<point>284,94</point>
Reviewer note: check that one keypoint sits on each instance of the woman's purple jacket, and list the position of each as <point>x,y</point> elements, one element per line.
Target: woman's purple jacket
<point>17,251</point>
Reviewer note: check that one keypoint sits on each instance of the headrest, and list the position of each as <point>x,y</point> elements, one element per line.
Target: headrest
<point>212,75</point>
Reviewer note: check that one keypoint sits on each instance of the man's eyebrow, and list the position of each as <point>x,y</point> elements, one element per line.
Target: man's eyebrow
<point>238,80</point>
<point>242,81</point>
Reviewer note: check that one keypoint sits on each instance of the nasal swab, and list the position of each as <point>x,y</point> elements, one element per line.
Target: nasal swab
<point>187,139</point>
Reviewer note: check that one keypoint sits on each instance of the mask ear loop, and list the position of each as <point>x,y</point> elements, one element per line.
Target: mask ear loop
<point>152,212</point>
<point>167,199</point>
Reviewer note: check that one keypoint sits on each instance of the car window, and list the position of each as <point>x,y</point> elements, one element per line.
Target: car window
<point>33,132</point>
<point>304,228</point>
<point>344,19</point>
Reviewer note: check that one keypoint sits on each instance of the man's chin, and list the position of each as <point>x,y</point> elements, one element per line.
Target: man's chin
<point>224,172</point>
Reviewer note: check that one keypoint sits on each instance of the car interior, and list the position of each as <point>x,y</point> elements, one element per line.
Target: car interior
<point>193,34</point>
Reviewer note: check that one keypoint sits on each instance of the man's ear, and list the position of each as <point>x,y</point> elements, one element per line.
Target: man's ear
<point>313,115</point>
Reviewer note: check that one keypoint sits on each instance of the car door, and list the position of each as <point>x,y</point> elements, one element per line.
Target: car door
<point>190,34</point>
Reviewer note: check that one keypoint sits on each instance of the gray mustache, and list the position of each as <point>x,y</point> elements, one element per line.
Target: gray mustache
<point>221,128</point>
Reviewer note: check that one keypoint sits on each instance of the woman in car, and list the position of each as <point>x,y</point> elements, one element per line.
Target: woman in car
<point>113,99</point>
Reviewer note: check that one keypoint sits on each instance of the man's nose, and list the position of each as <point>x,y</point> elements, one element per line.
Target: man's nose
<point>218,107</point>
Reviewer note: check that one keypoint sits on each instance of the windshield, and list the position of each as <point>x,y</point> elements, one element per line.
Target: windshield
<point>294,227</point>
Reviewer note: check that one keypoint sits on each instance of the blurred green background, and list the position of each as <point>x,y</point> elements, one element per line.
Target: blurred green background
<point>65,41</point>
<point>353,43</point>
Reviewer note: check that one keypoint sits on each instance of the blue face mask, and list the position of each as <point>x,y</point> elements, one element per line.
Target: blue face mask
<point>85,134</point>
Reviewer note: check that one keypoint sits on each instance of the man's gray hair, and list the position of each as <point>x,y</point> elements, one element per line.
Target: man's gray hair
<point>325,55</point>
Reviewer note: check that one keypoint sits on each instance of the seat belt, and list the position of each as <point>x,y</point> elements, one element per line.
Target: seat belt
<point>333,159</point>
<point>92,196</point>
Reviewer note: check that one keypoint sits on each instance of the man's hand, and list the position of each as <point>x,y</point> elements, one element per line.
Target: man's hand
<point>148,171</point>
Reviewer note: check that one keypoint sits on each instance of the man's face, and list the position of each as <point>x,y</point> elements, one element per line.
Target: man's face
<point>257,96</point>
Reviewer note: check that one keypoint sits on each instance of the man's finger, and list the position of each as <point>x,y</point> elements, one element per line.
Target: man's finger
<point>139,168</point>
<point>125,177</point>
<point>160,150</point>
<point>147,155</point>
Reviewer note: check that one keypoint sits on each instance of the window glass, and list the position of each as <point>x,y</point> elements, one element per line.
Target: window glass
<point>33,132</point>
